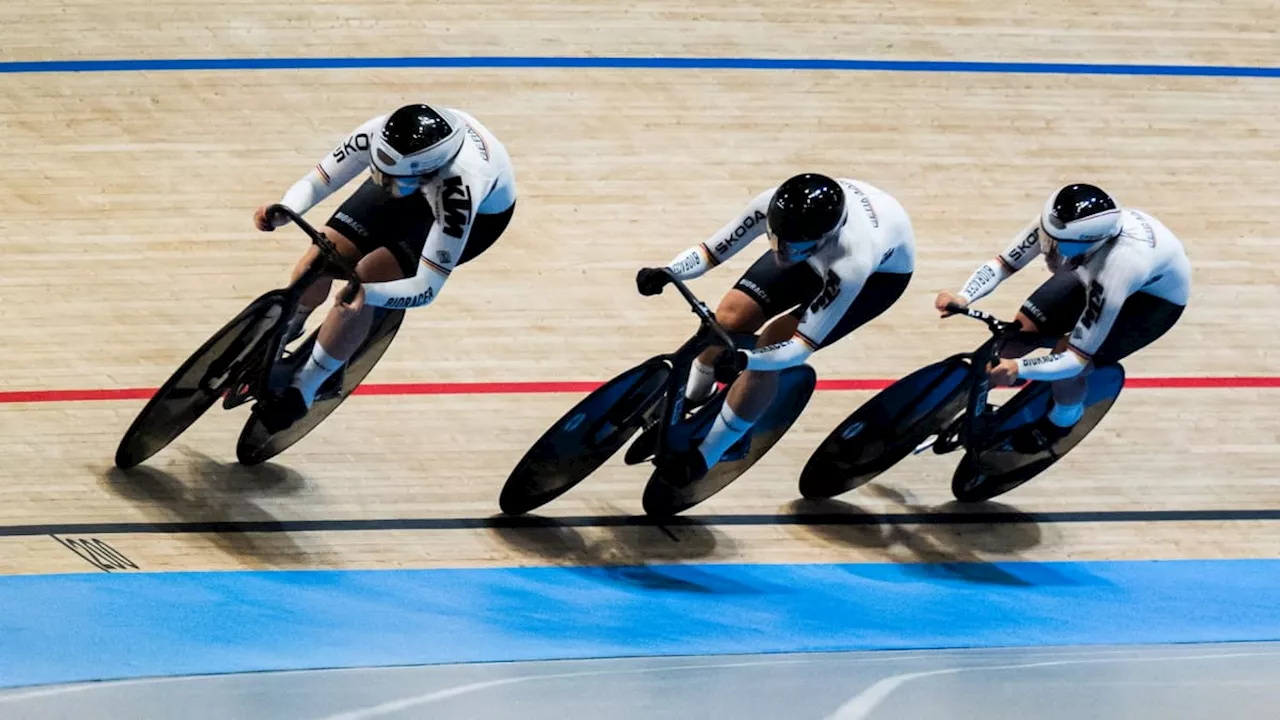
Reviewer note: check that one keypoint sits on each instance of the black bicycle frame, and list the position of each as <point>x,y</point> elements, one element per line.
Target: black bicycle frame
<point>709,334</point>
<point>976,419</point>
<point>330,258</point>
<point>330,261</point>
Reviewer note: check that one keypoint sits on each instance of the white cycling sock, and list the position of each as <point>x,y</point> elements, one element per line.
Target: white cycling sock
<point>702,380</point>
<point>1066,415</point>
<point>318,368</point>
<point>725,431</point>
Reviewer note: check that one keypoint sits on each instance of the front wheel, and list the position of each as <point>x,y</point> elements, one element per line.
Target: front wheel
<point>886,429</point>
<point>198,383</point>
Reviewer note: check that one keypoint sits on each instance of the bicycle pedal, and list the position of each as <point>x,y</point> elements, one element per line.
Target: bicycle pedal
<point>237,396</point>
<point>928,443</point>
<point>693,406</point>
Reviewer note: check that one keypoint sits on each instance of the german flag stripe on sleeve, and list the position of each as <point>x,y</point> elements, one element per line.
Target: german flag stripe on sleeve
<point>324,175</point>
<point>706,253</point>
<point>1005,263</point>
<point>807,341</point>
<point>438,268</point>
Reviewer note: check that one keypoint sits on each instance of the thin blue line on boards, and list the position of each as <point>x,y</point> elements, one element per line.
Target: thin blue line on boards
<point>651,63</point>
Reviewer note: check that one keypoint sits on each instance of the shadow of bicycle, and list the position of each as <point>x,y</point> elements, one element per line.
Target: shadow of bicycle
<point>217,501</point>
<point>949,541</point>
<point>624,550</point>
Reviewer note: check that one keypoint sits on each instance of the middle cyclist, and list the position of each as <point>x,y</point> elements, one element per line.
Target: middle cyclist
<point>842,252</point>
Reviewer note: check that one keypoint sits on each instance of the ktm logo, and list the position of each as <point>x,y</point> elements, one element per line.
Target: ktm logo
<point>829,292</point>
<point>1094,308</point>
<point>455,204</point>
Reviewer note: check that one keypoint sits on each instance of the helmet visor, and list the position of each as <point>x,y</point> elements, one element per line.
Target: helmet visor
<point>797,249</point>
<point>793,252</point>
<point>1073,248</point>
<point>398,185</point>
<point>1067,248</point>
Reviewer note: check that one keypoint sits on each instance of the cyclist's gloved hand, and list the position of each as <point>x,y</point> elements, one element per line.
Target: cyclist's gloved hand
<point>730,364</point>
<point>650,281</point>
<point>266,222</point>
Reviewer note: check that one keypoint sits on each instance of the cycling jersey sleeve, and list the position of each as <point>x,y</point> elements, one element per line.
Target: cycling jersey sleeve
<point>334,170</point>
<point>455,214</point>
<point>1119,278</point>
<point>726,243</point>
<point>844,280</point>
<point>1023,249</point>
<point>1057,366</point>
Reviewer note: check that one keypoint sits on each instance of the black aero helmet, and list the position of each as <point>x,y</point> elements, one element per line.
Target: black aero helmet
<point>805,212</point>
<point>1079,217</point>
<point>416,141</point>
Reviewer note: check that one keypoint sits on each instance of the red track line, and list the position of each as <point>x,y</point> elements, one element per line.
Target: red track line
<point>582,386</point>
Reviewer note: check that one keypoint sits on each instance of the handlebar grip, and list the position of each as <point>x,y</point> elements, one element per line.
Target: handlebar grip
<point>956,308</point>
<point>285,210</point>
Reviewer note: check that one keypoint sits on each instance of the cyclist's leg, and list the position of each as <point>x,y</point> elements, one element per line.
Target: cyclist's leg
<point>1142,320</point>
<point>753,392</point>
<point>367,220</point>
<point>347,325</point>
<point>314,295</point>
<point>1052,309</point>
<point>765,290</point>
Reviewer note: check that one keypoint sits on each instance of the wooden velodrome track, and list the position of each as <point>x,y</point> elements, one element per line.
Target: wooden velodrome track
<point>127,240</point>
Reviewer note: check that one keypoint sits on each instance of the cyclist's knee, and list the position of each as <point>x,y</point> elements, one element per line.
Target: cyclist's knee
<point>739,312</point>
<point>782,328</point>
<point>346,248</point>
<point>305,261</point>
<point>1016,347</point>
<point>1028,325</point>
<point>380,265</point>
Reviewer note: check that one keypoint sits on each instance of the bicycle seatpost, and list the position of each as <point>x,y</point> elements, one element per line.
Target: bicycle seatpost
<point>702,311</point>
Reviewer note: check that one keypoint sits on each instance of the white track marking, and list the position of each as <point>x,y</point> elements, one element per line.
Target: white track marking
<point>864,703</point>
<point>842,657</point>
<point>47,691</point>
<point>406,703</point>
<point>867,658</point>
